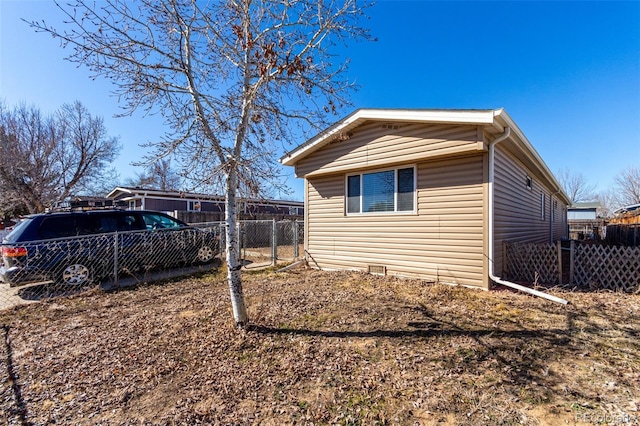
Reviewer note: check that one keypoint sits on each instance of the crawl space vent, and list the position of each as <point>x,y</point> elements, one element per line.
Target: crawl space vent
<point>377,270</point>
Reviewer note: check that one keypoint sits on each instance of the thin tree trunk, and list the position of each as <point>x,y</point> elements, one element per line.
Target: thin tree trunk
<point>233,265</point>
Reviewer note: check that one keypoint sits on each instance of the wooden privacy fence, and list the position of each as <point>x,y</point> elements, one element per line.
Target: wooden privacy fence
<point>625,234</point>
<point>593,266</point>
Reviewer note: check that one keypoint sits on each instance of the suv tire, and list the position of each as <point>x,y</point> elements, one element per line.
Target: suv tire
<point>76,274</point>
<point>205,254</point>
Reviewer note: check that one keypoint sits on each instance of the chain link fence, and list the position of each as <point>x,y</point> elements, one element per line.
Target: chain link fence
<point>38,270</point>
<point>265,242</point>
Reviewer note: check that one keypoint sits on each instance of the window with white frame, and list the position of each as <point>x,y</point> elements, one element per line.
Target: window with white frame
<point>193,206</point>
<point>132,204</point>
<point>382,191</point>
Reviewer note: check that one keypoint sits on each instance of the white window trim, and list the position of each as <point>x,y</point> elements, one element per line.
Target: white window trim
<point>395,193</point>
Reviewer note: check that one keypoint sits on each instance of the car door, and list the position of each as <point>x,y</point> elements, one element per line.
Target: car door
<point>132,248</point>
<point>164,237</point>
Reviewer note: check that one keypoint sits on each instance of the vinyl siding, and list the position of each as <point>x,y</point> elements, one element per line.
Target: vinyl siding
<point>372,145</point>
<point>163,205</point>
<point>560,224</point>
<point>442,242</point>
<point>518,215</point>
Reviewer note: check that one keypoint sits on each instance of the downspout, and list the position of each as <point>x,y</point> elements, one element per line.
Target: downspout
<point>492,276</point>
<point>552,216</point>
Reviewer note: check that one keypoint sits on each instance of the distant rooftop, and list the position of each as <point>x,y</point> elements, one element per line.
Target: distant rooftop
<point>627,209</point>
<point>585,206</point>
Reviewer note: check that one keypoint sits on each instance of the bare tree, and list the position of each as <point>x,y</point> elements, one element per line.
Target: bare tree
<point>49,157</point>
<point>607,202</point>
<point>231,78</point>
<point>576,186</point>
<point>627,186</point>
<point>158,175</point>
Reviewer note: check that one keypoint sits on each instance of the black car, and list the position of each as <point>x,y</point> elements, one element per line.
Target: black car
<point>78,247</point>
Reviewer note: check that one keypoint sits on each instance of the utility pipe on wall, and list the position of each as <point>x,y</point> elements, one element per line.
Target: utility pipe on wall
<point>492,276</point>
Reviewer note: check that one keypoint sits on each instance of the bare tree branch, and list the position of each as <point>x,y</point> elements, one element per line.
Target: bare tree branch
<point>233,80</point>
<point>627,186</point>
<point>52,157</point>
<point>576,186</point>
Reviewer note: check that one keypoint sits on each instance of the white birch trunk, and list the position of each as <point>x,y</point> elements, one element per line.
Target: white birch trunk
<point>233,265</point>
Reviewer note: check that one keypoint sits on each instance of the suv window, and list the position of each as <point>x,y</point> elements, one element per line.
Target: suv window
<point>159,221</point>
<point>64,226</point>
<point>118,222</point>
<point>18,230</point>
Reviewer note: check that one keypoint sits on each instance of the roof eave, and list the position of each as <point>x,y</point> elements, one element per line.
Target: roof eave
<point>498,119</point>
<point>473,117</point>
<point>117,190</point>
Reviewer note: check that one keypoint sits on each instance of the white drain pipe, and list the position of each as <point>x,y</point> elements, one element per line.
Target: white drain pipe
<point>492,276</point>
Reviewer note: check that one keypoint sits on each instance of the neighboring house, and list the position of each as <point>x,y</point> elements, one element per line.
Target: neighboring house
<point>583,211</point>
<point>431,194</point>
<point>627,215</point>
<point>584,222</point>
<point>175,201</point>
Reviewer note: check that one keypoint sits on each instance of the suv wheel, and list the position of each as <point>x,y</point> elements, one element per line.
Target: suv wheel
<point>76,274</point>
<point>205,254</point>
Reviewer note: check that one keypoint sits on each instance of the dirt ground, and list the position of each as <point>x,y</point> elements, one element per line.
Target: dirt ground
<point>323,348</point>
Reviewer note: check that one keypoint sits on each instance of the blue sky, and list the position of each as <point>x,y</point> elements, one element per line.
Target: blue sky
<point>568,73</point>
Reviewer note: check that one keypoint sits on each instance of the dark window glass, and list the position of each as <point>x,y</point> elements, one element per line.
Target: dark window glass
<point>18,230</point>
<point>405,189</point>
<point>107,224</point>
<point>353,194</point>
<point>129,222</point>
<point>64,226</point>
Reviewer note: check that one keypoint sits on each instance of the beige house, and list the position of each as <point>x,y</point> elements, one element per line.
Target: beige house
<point>431,194</point>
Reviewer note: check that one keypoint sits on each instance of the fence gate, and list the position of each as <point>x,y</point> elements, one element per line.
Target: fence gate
<point>264,242</point>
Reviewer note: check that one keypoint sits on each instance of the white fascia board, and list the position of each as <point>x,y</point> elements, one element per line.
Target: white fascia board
<point>430,116</point>
<point>117,190</point>
<point>474,117</point>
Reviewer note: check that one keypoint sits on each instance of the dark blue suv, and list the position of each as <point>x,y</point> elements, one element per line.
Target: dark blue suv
<point>79,247</point>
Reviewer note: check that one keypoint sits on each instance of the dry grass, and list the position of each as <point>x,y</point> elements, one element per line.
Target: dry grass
<point>323,348</point>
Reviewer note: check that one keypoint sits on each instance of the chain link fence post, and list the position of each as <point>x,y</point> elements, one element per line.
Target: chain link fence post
<point>296,249</point>
<point>115,260</point>
<point>274,242</point>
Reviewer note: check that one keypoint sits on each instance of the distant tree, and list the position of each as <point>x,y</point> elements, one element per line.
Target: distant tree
<point>47,158</point>
<point>158,175</point>
<point>627,186</point>
<point>607,202</point>
<point>10,207</point>
<point>575,185</point>
<point>231,78</point>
